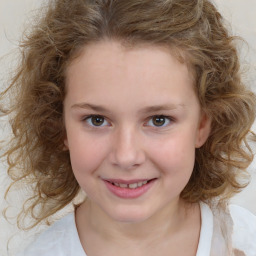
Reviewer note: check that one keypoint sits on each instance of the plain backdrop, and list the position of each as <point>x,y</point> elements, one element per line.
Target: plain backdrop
<point>14,17</point>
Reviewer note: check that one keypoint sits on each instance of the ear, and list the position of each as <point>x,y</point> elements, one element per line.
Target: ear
<point>66,147</point>
<point>204,129</point>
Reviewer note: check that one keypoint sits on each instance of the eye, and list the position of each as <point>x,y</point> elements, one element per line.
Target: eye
<point>159,121</point>
<point>96,121</point>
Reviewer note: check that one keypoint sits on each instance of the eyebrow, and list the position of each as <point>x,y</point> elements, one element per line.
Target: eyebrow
<point>90,106</point>
<point>161,108</point>
<point>148,109</point>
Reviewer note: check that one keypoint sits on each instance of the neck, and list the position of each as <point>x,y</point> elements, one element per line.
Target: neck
<point>165,223</point>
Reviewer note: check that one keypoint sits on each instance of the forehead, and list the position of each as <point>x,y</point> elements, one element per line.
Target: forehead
<point>109,54</point>
<point>109,72</point>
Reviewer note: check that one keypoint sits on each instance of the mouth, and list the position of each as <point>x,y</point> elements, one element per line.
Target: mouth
<point>129,189</point>
<point>130,184</point>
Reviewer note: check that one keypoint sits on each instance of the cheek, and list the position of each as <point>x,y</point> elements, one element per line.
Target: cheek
<point>175,156</point>
<point>86,155</point>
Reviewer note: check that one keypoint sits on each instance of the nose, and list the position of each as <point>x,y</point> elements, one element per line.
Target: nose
<point>127,149</point>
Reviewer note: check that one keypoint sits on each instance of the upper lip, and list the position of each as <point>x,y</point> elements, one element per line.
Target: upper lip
<point>120,181</point>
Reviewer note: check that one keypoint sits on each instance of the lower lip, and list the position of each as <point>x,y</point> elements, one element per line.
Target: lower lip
<point>129,193</point>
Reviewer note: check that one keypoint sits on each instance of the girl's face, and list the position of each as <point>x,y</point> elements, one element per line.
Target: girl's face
<point>133,122</point>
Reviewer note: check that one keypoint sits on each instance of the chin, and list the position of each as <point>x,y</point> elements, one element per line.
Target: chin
<point>127,215</point>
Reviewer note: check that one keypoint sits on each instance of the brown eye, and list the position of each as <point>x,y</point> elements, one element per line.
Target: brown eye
<point>96,121</point>
<point>159,121</point>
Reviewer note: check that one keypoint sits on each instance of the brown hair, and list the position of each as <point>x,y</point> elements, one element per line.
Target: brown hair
<point>193,27</point>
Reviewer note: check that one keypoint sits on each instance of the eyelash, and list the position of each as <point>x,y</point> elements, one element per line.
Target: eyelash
<point>168,118</point>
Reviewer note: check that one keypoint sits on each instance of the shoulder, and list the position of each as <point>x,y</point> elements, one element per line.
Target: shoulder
<point>58,240</point>
<point>244,229</point>
<point>226,229</point>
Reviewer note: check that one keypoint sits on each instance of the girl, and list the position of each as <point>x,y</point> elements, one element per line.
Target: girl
<point>140,105</point>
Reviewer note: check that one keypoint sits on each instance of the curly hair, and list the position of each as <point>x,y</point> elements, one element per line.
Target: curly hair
<point>196,32</point>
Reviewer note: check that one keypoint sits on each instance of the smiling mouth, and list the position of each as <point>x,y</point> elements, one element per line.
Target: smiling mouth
<point>129,189</point>
<point>132,185</point>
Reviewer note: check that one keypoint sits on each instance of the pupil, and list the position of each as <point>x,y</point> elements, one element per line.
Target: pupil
<point>97,120</point>
<point>159,121</point>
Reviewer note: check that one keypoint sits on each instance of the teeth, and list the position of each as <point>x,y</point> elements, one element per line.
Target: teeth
<point>140,184</point>
<point>123,185</point>
<point>132,186</point>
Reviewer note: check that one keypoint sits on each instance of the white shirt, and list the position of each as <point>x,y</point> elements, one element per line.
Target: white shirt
<point>62,239</point>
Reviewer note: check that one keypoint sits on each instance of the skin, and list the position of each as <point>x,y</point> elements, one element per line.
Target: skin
<point>127,84</point>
